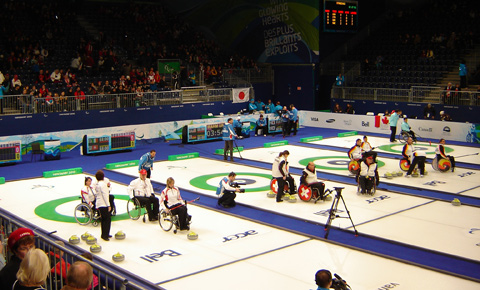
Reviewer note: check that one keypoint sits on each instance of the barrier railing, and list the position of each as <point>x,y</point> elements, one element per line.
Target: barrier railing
<point>28,104</point>
<point>109,276</point>
<point>419,94</point>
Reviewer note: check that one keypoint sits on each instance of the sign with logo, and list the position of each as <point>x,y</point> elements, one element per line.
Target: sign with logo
<point>239,236</point>
<point>154,257</point>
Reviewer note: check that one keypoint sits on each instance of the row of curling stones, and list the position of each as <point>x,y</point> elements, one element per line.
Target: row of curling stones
<point>96,248</point>
<point>286,196</point>
<point>390,175</point>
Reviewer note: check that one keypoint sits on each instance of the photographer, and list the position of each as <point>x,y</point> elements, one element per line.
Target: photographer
<point>323,279</point>
<point>226,191</point>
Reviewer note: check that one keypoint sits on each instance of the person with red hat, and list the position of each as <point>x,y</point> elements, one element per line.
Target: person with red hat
<point>142,190</point>
<point>20,242</point>
<point>367,175</point>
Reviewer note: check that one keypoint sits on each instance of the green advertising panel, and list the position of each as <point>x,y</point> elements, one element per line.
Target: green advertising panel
<point>168,66</point>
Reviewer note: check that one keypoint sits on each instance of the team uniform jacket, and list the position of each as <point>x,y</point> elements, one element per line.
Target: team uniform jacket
<point>368,170</point>
<point>227,132</point>
<point>146,161</point>
<point>139,187</point>
<point>408,152</point>
<point>276,169</point>
<point>88,194</point>
<point>440,150</point>
<point>103,193</point>
<point>355,152</point>
<point>171,196</point>
<point>224,185</point>
<point>308,177</point>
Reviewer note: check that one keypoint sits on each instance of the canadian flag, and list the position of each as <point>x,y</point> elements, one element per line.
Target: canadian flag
<point>241,95</point>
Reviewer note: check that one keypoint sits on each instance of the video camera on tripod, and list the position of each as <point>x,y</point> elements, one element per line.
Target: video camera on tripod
<point>339,284</point>
<point>237,185</point>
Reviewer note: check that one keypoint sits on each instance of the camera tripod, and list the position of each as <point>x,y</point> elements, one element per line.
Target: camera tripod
<point>333,211</point>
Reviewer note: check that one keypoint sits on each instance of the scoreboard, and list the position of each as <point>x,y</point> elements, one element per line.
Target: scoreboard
<point>340,16</point>
<point>10,152</point>
<point>202,132</point>
<point>107,143</point>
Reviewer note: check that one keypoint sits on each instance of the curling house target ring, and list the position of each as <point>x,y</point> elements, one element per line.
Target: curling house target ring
<point>48,211</point>
<point>340,161</point>
<point>422,147</point>
<point>202,181</point>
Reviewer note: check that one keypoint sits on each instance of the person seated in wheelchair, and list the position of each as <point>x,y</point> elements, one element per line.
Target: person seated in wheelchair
<point>367,149</point>
<point>88,193</point>
<point>280,171</point>
<point>355,153</point>
<point>173,202</point>
<point>414,157</point>
<point>309,179</point>
<point>407,130</point>
<point>367,176</point>
<point>440,153</point>
<point>141,189</point>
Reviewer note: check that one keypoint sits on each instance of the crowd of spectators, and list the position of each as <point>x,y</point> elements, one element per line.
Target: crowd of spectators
<point>51,56</point>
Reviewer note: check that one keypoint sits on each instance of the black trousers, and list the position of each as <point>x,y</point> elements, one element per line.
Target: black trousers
<point>228,198</point>
<point>366,183</point>
<point>264,129</point>
<point>285,130</point>
<point>106,221</point>
<point>281,185</point>
<point>181,211</point>
<point>228,147</point>
<point>420,160</point>
<point>292,125</point>
<point>393,133</point>
<point>319,186</point>
<point>151,204</point>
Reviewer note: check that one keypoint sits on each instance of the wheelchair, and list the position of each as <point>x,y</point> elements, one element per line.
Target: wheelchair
<point>167,220</point>
<point>354,166</point>
<point>370,191</point>
<point>85,214</point>
<point>404,164</point>
<point>306,193</point>
<point>135,209</point>
<point>404,135</point>
<point>442,164</point>
<point>274,188</point>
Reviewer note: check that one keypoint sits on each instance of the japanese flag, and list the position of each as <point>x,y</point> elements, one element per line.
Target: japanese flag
<point>241,95</point>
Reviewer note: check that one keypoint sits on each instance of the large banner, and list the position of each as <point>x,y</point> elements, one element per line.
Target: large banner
<point>429,129</point>
<point>272,31</point>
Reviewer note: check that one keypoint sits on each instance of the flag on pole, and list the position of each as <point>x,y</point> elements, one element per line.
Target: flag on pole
<point>241,95</point>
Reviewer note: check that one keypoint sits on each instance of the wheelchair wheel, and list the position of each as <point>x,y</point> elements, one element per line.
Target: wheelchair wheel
<point>403,137</point>
<point>134,209</point>
<point>305,193</point>
<point>166,220</point>
<point>353,167</point>
<point>83,214</point>
<point>404,165</point>
<point>274,186</point>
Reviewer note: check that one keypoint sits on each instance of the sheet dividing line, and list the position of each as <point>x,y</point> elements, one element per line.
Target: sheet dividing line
<point>235,261</point>
<point>393,213</point>
<point>460,192</point>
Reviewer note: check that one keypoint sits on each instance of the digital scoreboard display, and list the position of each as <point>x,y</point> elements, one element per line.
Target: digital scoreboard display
<point>202,132</point>
<point>340,16</point>
<point>10,152</point>
<point>113,142</point>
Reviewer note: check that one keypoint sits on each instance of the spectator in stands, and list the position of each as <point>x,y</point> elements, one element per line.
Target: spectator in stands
<point>55,76</point>
<point>447,97</point>
<point>337,109</point>
<point>33,271</point>
<point>20,242</point>
<point>379,62</point>
<point>429,112</point>
<point>366,65</point>
<point>16,81</point>
<point>339,80</point>
<point>80,277</point>
<point>59,271</point>
<point>349,109</point>
<point>2,78</point>
<point>430,55</point>
<point>456,96</point>
<point>444,116</point>
<point>3,91</point>
<point>192,78</point>
<point>463,71</point>
<point>2,257</point>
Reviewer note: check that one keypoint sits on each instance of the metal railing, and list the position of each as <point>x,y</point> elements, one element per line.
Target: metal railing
<point>27,104</point>
<point>109,277</point>
<point>418,94</point>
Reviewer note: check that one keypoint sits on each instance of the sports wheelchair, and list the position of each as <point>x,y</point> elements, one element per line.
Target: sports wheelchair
<point>404,135</point>
<point>85,214</point>
<point>286,188</point>
<point>442,164</point>
<point>371,190</point>
<point>307,193</point>
<point>354,166</point>
<point>167,220</point>
<point>135,209</point>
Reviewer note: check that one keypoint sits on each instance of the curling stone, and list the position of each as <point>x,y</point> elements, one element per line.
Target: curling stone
<point>425,172</point>
<point>85,236</point>
<point>286,196</point>
<point>120,235</point>
<point>388,175</point>
<point>95,248</point>
<point>415,174</point>
<point>118,257</point>
<point>91,240</point>
<point>271,194</point>
<point>192,236</point>
<point>456,202</point>
<point>74,240</point>
<point>292,199</point>
<point>399,173</point>
<point>328,197</point>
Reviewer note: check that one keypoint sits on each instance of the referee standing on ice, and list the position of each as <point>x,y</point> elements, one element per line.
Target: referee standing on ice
<point>146,162</point>
<point>228,135</point>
